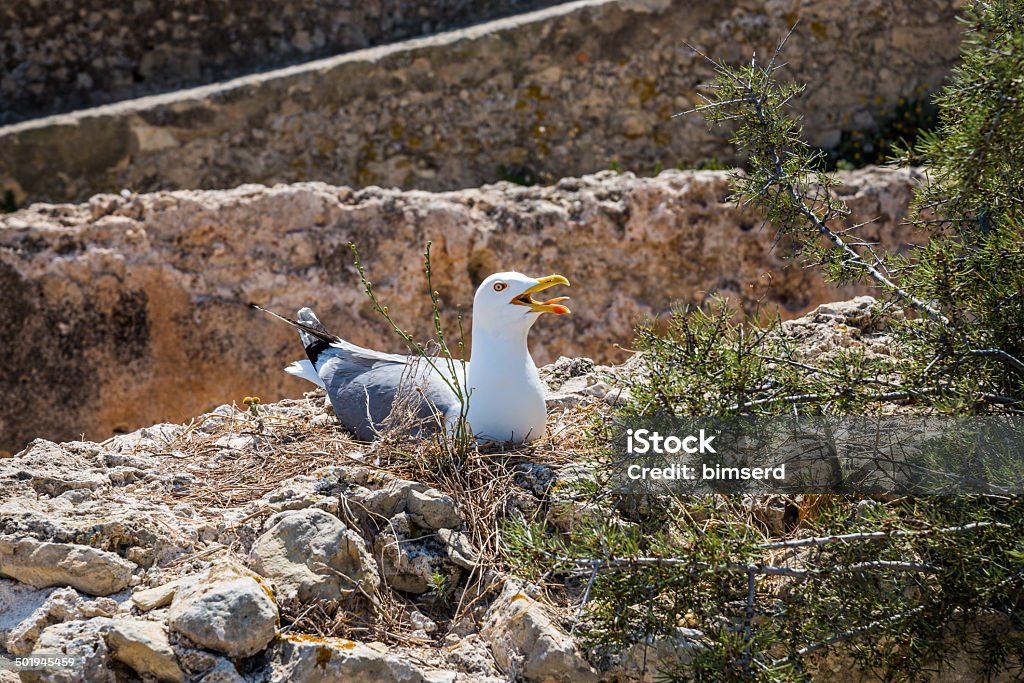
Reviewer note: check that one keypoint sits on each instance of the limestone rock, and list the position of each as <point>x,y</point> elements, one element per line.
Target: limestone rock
<point>153,48</point>
<point>370,494</point>
<point>442,112</point>
<point>386,496</point>
<point>570,382</point>
<point>63,604</point>
<point>556,374</point>
<point>473,655</point>
<point>299,493</point>
<point>69,493</point>
<point>411,561</point>
<point>145,647</point>
<point>19,603</point>
<point>223,672</point>
<point>158,596</point>
<point>326,660</point>
<point>203,665</point>
<point>146,532</point>
<point>83,640</point>
<point>227,609</point>
<point>152,439</point>
<point>312,555</point>
<point>415,528</point>
<point>524,634</point>
<point>648,662</point>
<point>459,548</point>
<point>52,470</point>
<point>432,509</point>
<point>41,564</point>
<point>840,325</point>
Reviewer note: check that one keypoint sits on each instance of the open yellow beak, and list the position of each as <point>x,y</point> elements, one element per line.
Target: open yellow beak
<point>549,306</point>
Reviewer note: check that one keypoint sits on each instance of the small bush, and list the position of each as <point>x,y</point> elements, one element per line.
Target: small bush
<point>902,585</point>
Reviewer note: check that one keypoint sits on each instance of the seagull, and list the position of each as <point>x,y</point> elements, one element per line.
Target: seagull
<point>504,392</point>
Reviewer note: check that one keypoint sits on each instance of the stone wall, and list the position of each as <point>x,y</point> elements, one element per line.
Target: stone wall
<point>58,56</point>
<point>126,311</point>
<point>564,91</point>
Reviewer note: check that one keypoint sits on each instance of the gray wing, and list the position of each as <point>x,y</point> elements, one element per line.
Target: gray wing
<point>365,386</point>
<point>373,391</point>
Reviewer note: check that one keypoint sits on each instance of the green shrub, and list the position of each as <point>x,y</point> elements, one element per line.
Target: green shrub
<point>899,584</point>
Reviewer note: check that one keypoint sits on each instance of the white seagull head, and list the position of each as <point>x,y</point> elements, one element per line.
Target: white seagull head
<point>504,302</point>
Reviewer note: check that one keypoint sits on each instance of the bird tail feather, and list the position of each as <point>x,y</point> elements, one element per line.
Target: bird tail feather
<point>304,369</point>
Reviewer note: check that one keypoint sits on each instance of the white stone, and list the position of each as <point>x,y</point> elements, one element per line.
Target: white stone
<point>310,554</point>
<point>145,647</point>
<point>41,564</point>
<point>227,609</point>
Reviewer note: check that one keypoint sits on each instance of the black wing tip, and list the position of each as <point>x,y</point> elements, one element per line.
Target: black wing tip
<point>325,338</point>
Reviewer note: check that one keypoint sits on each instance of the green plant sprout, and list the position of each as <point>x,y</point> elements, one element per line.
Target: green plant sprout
<point>458,439</point>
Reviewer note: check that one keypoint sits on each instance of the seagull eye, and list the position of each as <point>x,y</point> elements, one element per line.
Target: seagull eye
<point>500,286</point>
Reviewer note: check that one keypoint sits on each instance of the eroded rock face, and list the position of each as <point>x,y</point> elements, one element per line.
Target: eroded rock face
<point>840,325</point>
<point>387,496</point>
<point>132,311</point>
<point>63,604</point>
<point>222,672</point>
<point>60,493</point>
<point>21,612</point>
<point>84,640</point>
<point>580,87</point>
<point>411,560</point>
<point>152,47</point>
<point>417,545</point>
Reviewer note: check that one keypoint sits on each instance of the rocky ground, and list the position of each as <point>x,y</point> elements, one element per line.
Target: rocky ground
<point>239,546</point>
<point>267,545</point>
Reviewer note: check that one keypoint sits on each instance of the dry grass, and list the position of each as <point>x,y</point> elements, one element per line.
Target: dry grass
<point>288,440</point>
<point>266,451</point>
<point>489,487</point>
